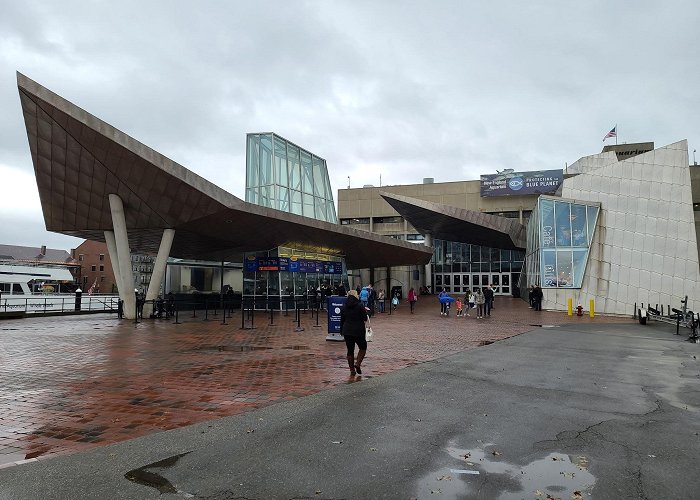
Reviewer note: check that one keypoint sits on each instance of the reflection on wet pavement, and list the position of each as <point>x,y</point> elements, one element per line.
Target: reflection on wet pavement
<point>486,471</point>
<point>72,383</point>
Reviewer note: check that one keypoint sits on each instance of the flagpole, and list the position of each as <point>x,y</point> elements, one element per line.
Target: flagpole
<point>617,132</point>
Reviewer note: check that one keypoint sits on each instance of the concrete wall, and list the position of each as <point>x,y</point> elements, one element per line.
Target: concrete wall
<point>645,247</point>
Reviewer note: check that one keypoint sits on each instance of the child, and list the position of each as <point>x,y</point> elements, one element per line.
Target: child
<point>470,302</point>
<point>458,305</point>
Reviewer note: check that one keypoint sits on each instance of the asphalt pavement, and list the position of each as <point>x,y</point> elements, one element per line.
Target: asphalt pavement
<point>589,410</point>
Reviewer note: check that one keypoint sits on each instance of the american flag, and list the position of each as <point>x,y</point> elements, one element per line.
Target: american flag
<point>612,133</point>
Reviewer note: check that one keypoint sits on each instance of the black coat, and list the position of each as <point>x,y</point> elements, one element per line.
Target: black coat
<point>352,318</point>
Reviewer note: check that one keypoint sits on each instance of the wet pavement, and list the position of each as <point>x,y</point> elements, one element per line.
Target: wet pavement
<point>68,384</point>
<point>447,408</point>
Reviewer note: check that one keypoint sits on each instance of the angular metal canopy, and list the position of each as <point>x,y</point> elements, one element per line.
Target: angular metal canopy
<point>79,160</point>
<point>456,224</point>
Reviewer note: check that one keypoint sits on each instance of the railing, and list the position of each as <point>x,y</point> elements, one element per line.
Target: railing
<point>43,304</point>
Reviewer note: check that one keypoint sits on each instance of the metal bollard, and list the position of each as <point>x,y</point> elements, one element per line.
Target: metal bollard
<point>317,314</point>
<point>299,327</point>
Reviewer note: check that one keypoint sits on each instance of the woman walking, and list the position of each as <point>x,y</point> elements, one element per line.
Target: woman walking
<point>480,301</point>
<point>412,298</point>
<point>353,316</point>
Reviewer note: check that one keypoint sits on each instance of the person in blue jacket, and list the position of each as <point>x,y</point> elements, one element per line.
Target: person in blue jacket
<point>445,300</point>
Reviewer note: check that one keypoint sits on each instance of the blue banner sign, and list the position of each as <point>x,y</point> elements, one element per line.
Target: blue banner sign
<point>335,304</point>
<point>251,263</point>
<point>292,264</point>
<point>509,183</point>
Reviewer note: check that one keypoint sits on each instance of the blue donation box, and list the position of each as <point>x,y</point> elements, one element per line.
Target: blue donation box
<point>334,305</point>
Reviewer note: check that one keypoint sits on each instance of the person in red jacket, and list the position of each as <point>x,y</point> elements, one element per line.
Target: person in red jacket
<point>412,298</point>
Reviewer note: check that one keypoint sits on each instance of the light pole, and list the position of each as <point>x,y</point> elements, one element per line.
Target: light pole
<point>694,162</point>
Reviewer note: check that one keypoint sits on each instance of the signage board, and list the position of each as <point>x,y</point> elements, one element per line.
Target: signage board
<point>292,264</point>
<point>334,305</point>
<point>268,264</point>
<point>509,183</point>
<point>251,263</point>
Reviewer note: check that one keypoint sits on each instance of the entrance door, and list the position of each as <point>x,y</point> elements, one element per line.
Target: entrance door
<point>501,283</point>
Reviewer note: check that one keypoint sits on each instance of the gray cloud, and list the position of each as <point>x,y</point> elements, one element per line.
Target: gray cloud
<point>407,90</point>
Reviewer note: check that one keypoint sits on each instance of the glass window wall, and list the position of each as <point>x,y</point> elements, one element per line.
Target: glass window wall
<point>283,176</point>
<point>558,240</point>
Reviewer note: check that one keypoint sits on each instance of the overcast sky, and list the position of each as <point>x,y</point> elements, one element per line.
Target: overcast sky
<point>398,89</point>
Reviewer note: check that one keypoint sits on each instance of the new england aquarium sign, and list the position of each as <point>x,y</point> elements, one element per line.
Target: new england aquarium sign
<point>509,183</point>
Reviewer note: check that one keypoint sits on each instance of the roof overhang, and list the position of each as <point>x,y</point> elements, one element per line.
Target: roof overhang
<point>455,224</point>
<point>79,160</point>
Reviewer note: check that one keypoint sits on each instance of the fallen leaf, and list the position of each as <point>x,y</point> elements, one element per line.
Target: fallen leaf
<point>372,449</point>
<point>445,478</point>
<point>495,453</point>
<point>466,455</point>
<point>435,492</point>
<point>336,442</point>
<point>318,492</point>
<point>250,430</point>
<point>577,495</point>
<point>538,493</point>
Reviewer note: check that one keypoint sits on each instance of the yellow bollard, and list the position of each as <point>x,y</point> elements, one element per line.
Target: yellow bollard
<point>570,306</point>
<point>592,307</point>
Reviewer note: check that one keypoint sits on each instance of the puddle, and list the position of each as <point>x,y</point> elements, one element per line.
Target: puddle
<point>153,480</point>
<point>487,471</point>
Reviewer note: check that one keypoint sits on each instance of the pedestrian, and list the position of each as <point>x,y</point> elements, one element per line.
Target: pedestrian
<point>382,300</point>
<point>470,299</point>
<point>488,296</point>
<point>353,316</point>
<point>371,299</point>
<point>171,303</point>
<point>480,300</point>
<point>538,297</point>
<point>445,300</point>
<point>412,298</point>
<point>458,305</point>
<point>395,300</point>
<point>531,296</point>
<point>364,295</point>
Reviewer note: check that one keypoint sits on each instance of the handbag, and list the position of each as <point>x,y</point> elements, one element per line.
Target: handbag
<point>368,331</point>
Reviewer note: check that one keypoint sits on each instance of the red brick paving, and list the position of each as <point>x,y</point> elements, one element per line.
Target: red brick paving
<point>72,383</point>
